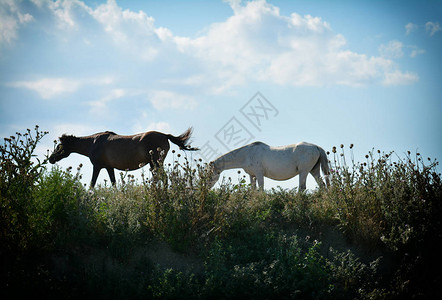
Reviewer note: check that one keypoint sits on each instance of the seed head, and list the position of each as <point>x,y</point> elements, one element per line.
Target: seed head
<point>351,146</point>
<point>342,146</point>
<point>334,149</point>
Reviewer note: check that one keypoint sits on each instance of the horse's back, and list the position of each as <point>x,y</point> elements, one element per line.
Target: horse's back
<point>284,162</point>
<point>302,153</point>
<point>279,151</point>
<point>305,154</point>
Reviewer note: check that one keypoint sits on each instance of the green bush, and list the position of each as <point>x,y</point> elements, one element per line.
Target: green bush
<point>20,170</point>
<point>386,201</point>
<point>268,267</point>
<point>58,218</point>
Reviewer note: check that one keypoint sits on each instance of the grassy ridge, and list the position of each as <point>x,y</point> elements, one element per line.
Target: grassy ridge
<point>375,233</point>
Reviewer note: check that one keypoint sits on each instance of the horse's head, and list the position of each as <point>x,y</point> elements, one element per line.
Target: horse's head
<point>62,150</point>
<point>214,173</point>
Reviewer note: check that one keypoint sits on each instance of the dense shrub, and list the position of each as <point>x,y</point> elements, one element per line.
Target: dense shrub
<point>20,170</point>
<point>386,200</point>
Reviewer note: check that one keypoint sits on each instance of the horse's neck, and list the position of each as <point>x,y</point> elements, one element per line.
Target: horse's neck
<point>231,160</point>
<point>82,145</point>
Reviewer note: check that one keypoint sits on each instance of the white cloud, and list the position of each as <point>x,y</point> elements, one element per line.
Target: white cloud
<point>64,12</point>
<point>159,126</point>
<point>396,49</point>
<point>260,44</point>
<point>10,21</point>
<point>99,107</point>
<point>144,123</point>
<point>256,43</point>
<point>432,27</point>
<point>399,78</point>
<point>49,88</point>
<point>162,99</point>
<point>133,31</point>
<point>410,27</point>
<point>415,52</point>
<point>392,50</point>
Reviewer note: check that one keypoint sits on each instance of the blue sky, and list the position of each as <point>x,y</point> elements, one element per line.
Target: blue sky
<point>328,72</point>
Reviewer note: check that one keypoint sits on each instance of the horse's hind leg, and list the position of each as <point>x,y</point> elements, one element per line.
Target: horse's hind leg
<point>316,173</point>
<point>111,173</point>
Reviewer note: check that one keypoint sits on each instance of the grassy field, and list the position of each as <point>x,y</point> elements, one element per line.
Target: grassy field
<point>374,234</point>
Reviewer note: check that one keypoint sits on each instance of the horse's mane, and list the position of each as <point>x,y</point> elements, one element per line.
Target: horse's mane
<point>64,137</point>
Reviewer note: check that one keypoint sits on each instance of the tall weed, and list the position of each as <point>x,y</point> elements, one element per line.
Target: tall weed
<point>20,170</point>
<point>383,200</point>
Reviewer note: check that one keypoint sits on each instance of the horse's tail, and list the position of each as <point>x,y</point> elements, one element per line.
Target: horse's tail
<point>324,165</point>
<point>182,140</point>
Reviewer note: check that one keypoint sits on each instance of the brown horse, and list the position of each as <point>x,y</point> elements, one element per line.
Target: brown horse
<point>112,151</point>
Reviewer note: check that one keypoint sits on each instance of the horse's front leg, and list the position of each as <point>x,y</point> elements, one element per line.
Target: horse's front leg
<point>111,173</point>
<point>95,173</point>
<point>252,181</point>
<point>302,181</point>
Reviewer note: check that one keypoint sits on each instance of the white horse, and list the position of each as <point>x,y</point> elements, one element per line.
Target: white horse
<point>259,160</point>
